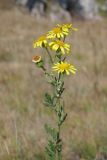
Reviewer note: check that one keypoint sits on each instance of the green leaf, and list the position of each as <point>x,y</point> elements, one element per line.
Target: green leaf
<point>63,117</point>
<point>51,150</point>
<point>52,132</point>
<point>61,114</point>
<point>49,100</point>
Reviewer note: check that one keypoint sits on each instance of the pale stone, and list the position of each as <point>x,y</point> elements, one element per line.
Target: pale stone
<point>90,8</point>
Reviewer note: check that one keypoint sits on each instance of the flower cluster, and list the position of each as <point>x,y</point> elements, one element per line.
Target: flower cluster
<point>55,40</point>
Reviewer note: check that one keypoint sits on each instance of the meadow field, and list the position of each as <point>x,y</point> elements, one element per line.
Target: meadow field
<point>22,88</point>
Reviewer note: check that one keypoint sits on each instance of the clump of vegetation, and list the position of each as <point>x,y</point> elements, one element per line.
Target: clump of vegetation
<point>54,40</point>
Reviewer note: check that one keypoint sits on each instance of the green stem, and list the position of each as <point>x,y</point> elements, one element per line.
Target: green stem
<point>58,123</point>
<point>59,152</point>
<point>44,69</point>
<point>49,55</point>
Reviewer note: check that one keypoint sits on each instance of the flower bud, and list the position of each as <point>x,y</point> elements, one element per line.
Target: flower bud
<point>38,61</point>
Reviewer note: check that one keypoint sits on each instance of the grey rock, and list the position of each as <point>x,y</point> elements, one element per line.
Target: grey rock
<point>74,7</point>
<point>59,14</point>
<point>90,8</point>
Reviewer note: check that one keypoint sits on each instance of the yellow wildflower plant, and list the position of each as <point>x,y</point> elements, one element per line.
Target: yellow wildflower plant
<point>64,67</point>
<point>55,71</point>
<point>40,42</point>
<point>57,33</point>
<point>60,46</point>
<point>36,59</point>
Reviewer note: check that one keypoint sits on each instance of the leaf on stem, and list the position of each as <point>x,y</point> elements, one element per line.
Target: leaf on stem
<point>49,100</point>
<point>52,132</point>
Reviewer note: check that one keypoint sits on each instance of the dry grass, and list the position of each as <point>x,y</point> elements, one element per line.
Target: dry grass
<point>22,86</point>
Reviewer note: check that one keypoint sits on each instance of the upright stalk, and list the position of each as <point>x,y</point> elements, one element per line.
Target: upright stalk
<point>55,41</point>
<point>59,152</point>
<point>49,55</point>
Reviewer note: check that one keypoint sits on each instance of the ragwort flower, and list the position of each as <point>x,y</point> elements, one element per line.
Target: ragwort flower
<point>40,42</point>
<point>60,46</point>
<point>57,33</point>
<point>67,27</point>
<point>64,67</point>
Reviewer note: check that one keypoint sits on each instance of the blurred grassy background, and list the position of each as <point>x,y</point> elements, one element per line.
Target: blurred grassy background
<point>22,87</point>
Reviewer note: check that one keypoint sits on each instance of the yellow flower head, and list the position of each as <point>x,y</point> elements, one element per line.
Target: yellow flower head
<point>40,42</point>
<point>60,46</point>
<point>57,33</point>
<point>64,67</point>
<point>66,27</point>
<point>36,59</point>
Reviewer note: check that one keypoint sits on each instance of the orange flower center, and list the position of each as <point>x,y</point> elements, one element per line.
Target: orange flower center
<point>57,30</point>
<point>60,43</point>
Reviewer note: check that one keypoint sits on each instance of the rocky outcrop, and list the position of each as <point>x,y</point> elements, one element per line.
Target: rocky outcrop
<point>82,8</point>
